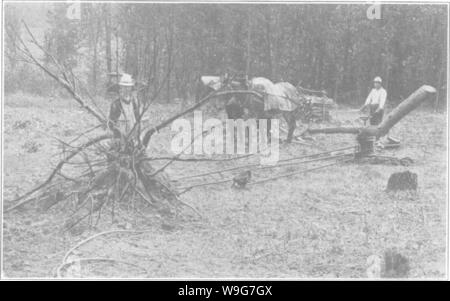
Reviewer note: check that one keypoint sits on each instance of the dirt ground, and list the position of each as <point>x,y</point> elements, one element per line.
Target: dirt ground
<point>322,224</point>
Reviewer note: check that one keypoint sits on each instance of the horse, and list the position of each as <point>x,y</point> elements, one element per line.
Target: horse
<point>277,99</point>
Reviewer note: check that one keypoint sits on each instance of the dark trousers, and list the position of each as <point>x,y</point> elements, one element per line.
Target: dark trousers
<point>375,118</point>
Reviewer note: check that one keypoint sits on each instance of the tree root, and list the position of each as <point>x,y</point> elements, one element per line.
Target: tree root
<point>54,173</point>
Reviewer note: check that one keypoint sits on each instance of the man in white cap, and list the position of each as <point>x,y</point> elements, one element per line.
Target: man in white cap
<point>375,102</point>
<point>124,111</point>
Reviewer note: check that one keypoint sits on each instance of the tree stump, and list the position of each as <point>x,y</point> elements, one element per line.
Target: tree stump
<point>396,265</point>
<point>402,181</point>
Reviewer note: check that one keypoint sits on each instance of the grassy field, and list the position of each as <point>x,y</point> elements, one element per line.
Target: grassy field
<point>322,224</point>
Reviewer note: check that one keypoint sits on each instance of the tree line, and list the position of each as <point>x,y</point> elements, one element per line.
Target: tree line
<point>334,47</point>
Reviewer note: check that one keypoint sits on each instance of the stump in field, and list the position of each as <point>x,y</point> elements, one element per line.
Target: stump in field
<point>402,181</point>
<point>396,265</point>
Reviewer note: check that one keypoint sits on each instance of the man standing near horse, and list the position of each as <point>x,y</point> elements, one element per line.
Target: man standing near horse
<point>375,102</point>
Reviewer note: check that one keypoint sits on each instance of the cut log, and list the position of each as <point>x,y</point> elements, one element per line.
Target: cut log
<point>405,107</point>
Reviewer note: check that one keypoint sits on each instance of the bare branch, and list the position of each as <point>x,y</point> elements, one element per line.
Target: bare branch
<point>64,83</point>
<point>54,172</point>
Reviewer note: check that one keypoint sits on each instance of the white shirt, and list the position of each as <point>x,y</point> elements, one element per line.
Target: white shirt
<point>377,97</point>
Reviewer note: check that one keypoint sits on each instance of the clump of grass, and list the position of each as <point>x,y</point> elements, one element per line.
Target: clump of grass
<point>31,146</point>
<point>20,125</point>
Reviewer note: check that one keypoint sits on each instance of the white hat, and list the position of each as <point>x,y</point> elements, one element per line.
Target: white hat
<point>377,79</point>
<point>126,80</point>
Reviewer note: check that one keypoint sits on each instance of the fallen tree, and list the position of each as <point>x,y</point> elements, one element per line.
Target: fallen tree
<point>403,109</point>
<point>115,168</point>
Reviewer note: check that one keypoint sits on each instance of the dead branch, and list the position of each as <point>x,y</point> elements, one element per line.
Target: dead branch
<point>84,133</point>
<point>63,82</point>
<point>149,102</point>
<point>55,171</point>
<point>142,195</point>
<point>83,242</point>
<point>178,155</point>
<point>66,265</point>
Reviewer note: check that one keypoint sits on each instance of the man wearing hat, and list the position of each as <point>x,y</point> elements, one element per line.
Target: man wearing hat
<point>124,110</point>
<point>375,102</point>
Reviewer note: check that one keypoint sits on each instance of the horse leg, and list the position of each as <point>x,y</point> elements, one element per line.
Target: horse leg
<point>290,120</point>
<point>234,111</point>
<point>269,129</point>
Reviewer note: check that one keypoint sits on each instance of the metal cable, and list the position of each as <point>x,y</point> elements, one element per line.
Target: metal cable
<point>256,164</point>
